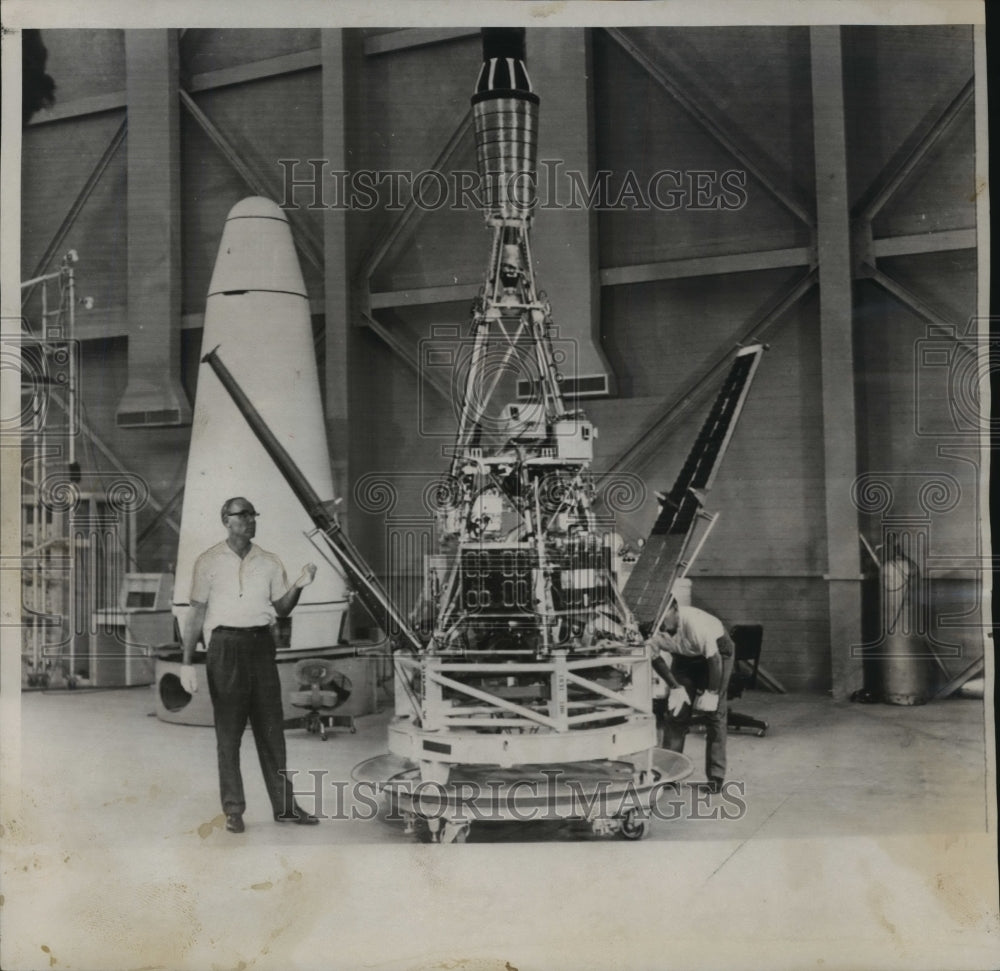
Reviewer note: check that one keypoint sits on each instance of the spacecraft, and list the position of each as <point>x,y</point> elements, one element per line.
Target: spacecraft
<point>523,681</point>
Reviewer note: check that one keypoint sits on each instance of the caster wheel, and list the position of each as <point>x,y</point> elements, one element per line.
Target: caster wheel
<point>429,829</point>
<point>634,826</point>
<point>436,830</point>
<point>454,832</point>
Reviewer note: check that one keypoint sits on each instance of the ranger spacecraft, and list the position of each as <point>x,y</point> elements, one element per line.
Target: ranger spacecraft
<point>523,682</point>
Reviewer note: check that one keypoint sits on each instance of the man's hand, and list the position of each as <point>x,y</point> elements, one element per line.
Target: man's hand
<point>189,678</point>
<point>707,701</point>
<point>677,699</point>
<point>306,577</point>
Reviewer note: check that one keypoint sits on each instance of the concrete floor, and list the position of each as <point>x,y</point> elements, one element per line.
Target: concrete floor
<point>100,762</point>
<point>863,845</point>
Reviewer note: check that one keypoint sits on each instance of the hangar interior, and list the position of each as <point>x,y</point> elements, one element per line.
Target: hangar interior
<point>811,188</point>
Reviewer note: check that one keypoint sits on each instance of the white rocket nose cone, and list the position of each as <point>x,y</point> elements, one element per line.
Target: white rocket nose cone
<point>256,251</point>
<point>257,314</point>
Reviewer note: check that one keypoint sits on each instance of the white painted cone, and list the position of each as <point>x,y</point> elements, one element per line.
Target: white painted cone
<point>258,316</point>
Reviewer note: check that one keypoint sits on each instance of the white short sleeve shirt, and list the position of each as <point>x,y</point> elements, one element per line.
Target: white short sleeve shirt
<point>697,634</point>
<point>239,592</point>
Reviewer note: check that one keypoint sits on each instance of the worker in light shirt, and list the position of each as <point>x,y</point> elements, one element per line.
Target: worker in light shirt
<point>700,652</point>
<point>237,591</point>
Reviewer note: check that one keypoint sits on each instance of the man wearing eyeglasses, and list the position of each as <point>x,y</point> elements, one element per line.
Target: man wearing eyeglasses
<point>237,590</point>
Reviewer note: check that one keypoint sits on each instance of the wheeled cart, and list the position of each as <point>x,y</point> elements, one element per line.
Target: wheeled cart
<point>617,798</point>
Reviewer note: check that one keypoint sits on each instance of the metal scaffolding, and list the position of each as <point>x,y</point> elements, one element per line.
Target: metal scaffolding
<point>77,531</point>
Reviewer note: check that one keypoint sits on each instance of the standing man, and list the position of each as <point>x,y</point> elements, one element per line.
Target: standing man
<point>702,661</point>
<point>237,590</point>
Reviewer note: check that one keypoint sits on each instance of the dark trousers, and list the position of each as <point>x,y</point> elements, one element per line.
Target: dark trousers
<point>692,673</point>
<point>243,683</point>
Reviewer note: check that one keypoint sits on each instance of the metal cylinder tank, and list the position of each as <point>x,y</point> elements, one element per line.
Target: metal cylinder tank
<point>906,662</point>
<point>906,670</point>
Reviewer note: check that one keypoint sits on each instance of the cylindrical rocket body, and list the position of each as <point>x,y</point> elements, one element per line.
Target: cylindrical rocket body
<point>507,154</point>
<point>505,114</point>
<point>258,314</point>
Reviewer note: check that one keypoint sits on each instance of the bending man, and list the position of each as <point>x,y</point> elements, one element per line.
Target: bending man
<point>237,590</point>
<point>702,661</point>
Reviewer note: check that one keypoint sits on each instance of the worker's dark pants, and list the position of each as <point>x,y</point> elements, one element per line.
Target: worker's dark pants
<point>243,683</point>
<point>692,673</point>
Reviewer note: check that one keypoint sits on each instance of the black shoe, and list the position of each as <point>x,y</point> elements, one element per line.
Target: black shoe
<point>298,815</point>
<point>715,784</point>
<point>234,822</point>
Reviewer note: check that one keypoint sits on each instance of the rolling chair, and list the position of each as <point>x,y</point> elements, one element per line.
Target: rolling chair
<point>747,639</point>
<point>323,690</point>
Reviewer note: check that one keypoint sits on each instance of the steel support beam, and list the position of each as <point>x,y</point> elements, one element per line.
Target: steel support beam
<point>109,455</point>
<point>719,128</point>
<point>162,515</point>
<point>393,342</point>
<point>975,670</point>
<point>564,243</point>
<point>383,244</point>
<point>615,276</point>
<point>889,181</point>
<point>55,244</point>
<point>410,37</point>
<point>113,321</point>
<point>911,300</point>
<point>638,451</point>
<point>833,238</point>
<point>306,239</point>
<point>154,233</point>
<point>942,242</point>
<point>269,67</point>
<point>424,295</point>
<point>95,104</point>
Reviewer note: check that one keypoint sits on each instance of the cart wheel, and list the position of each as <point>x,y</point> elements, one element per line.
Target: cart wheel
<point>422,830</point>
<point>634,826</point>
<point>454,832</point>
